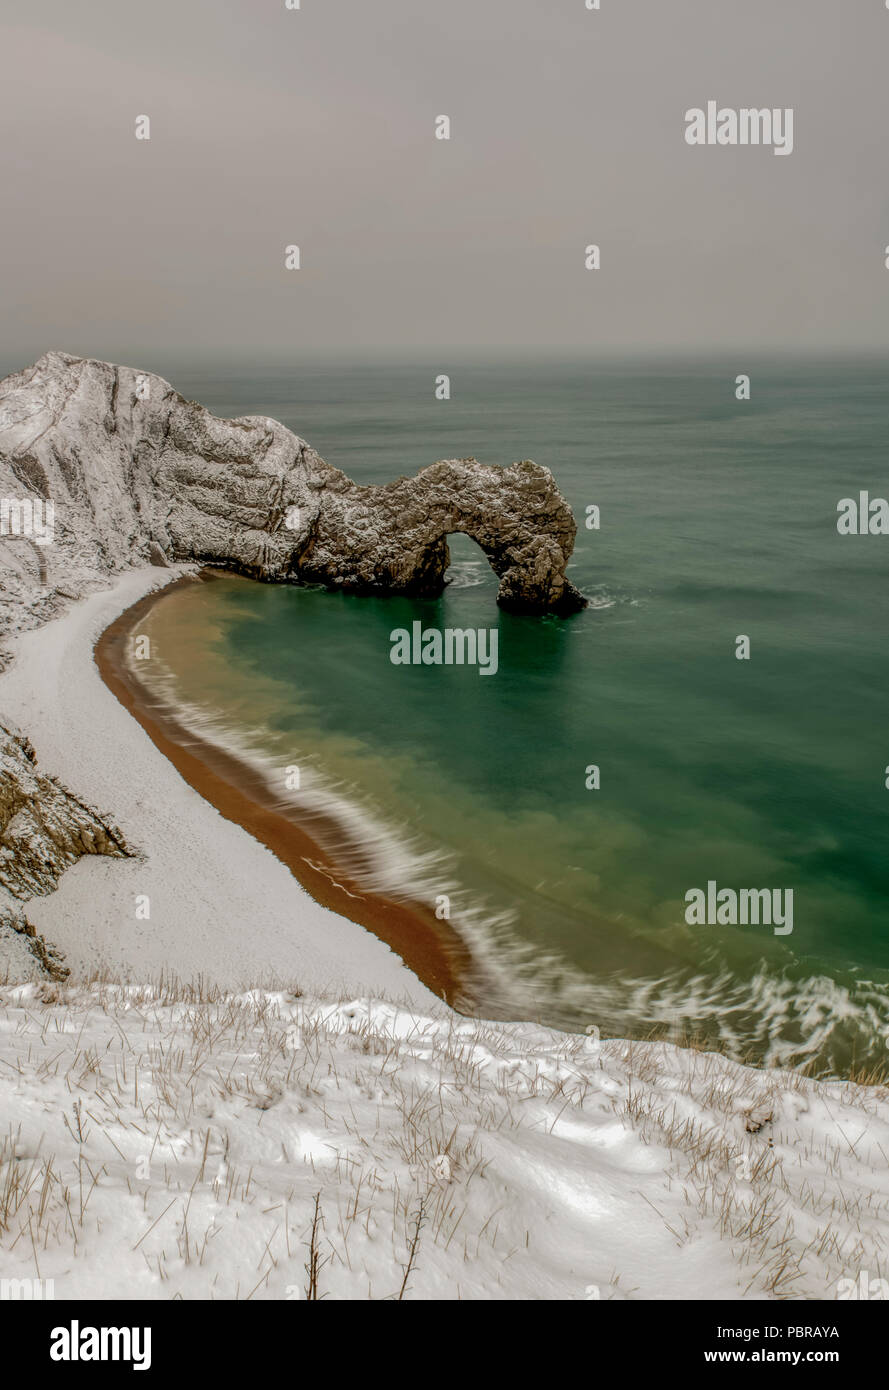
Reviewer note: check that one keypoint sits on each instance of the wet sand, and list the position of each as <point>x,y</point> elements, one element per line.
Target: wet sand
<point>306,843</point>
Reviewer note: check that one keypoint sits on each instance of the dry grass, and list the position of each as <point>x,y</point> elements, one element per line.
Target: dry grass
<point>224,1136</point>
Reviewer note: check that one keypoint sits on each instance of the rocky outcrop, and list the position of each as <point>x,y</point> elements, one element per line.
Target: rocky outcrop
<point>24,955</point>
<point>43,830</point>
<point>138,474</point>
<point>393,539</point>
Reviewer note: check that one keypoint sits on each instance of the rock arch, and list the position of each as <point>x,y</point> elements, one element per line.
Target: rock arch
<point>393,539</point>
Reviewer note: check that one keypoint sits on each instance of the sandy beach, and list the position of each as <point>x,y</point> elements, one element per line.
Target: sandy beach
<point>305,842</point>
<point>222,906</point>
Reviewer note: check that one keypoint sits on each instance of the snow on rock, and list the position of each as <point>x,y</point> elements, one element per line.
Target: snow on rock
<point>43,830</point>
<point>162,1142</point>
<point>137,474</point>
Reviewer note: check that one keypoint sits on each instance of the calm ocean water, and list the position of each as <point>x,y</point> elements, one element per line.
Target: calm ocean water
<point>718,519</point>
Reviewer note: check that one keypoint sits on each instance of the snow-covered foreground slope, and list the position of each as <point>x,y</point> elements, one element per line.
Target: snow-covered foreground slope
<point>155,1143</point>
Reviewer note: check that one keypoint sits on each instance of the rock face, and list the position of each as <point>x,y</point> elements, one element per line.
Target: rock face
<point>137,474</point>
<point>43,830</point>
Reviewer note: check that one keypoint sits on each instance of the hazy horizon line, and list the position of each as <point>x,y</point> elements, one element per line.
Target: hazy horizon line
<point>147,357</point>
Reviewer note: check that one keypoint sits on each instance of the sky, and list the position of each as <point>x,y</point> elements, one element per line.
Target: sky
<point>316,127</point>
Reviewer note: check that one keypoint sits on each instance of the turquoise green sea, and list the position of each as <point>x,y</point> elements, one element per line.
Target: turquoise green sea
<point>718,518</point>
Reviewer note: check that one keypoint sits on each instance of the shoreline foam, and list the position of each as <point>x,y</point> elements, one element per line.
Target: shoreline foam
<point>305,842</point>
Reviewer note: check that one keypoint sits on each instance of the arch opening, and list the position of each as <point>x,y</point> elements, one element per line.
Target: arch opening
<point>466,564</point>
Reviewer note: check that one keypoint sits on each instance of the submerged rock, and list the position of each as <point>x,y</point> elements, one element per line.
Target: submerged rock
<point>138,474</point>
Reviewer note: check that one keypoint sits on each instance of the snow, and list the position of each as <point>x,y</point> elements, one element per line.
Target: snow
<point>162,1142</point>
<point>222,906</point>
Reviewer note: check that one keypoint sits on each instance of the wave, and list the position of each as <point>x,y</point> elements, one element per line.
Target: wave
<point>467,574</point>
<point>770,1018</point>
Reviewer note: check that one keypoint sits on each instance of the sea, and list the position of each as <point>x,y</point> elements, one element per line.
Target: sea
<point>716,520</point>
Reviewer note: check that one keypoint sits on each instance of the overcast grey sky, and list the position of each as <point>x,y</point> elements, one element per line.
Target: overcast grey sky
<point>316,127</point>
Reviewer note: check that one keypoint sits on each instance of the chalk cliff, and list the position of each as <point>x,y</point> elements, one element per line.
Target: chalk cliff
<point>136,473</point>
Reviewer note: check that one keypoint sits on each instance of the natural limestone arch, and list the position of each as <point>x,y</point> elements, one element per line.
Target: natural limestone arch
<point>393,539</point>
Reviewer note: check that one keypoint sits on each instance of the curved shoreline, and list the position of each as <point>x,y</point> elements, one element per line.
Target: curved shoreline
<point>435,953</point>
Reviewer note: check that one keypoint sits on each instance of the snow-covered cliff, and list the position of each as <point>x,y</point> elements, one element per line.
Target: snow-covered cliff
<point>135,473</point>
